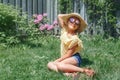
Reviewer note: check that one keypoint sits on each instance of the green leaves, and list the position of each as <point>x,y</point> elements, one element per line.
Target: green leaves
<point>103,13</point>
<point>10,24</point>
<point>65,6</point>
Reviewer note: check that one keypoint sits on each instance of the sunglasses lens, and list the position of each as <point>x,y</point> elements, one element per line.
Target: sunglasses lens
<point>77,22</point>
<point>72,20</point>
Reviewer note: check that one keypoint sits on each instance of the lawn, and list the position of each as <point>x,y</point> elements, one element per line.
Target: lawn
<point>27,61</point>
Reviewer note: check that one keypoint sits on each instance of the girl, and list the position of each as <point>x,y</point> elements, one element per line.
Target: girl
<point>71,45</point>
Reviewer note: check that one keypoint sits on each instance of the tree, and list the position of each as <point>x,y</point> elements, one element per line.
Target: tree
<point>103,13</point>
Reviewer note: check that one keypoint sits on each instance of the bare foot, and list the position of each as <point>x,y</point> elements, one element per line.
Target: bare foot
<point>75,75</point>
<point>67,74</point>
<point>89,72</point>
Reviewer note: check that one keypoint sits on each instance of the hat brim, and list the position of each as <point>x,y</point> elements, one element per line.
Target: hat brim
<point>82,25</point>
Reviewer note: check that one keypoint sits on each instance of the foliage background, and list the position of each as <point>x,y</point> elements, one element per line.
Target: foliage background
<point>12,25</point>
<point>101,14</point>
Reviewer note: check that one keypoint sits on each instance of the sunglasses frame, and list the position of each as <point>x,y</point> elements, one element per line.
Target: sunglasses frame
<point>74,20</point>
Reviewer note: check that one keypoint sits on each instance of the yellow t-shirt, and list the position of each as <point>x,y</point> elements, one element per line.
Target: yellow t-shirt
<point>69,42</point>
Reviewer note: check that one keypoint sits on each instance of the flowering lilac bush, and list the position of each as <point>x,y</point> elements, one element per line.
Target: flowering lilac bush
<point>41,21</point>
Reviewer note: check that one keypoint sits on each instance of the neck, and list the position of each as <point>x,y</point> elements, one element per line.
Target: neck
<point>71,33</point>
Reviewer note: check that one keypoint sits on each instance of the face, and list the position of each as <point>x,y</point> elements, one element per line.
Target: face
<point>73,23</point>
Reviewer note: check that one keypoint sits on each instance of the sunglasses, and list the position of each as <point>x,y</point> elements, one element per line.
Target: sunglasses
<point>73,20</point>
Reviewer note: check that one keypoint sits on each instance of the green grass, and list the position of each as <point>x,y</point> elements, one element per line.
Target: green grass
<point>28,61</point>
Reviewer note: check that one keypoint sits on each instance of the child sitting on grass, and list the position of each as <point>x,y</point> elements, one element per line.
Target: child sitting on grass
<point>71,45</point>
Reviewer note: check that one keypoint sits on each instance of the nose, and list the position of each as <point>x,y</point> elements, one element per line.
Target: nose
<point>74,23</point>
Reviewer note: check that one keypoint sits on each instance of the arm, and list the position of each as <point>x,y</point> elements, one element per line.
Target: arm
<point>68,54</point>
<point>61,22</point>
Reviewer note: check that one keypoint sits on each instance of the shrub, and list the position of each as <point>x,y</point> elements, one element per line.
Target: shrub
<point>16,28</point>
<point>11,24</point>
<point>41,22</point>
<point>40,27</point>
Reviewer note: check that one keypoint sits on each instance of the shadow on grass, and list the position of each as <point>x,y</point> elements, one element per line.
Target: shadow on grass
<point>33,45</point>
<point>29,44</point>
<point>86,62</point>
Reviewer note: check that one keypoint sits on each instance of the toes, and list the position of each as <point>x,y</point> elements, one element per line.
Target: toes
<point>89,72</point>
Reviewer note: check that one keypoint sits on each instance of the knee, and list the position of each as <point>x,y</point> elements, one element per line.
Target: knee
<point>52,66</point>
<point>49,64</point>
<point>60,66</point>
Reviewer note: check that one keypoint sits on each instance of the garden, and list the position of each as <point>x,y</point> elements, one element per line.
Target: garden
<point>26,46</point>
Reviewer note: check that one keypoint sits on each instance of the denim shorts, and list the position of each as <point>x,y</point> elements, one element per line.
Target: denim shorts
<point>78,58</point>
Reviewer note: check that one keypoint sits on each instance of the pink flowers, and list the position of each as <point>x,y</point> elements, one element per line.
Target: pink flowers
<point>44,14</point>
<point>55,22</point>
<point>38,18</point>
<point>42,27</point>
<point>41,21</point>
<point>46,27</point>
<point>50,27</point>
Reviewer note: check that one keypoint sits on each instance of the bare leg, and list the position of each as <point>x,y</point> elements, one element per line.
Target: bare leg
<point>70,65</point>
<point>69,68</point>
<point>52,66</point>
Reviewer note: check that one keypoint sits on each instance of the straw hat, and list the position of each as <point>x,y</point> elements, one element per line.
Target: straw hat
<point>65,18</point>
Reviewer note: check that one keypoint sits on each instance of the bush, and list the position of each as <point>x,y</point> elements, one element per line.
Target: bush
<point>11,24</point>
<point>41,22</point>
<point>16,28</point>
